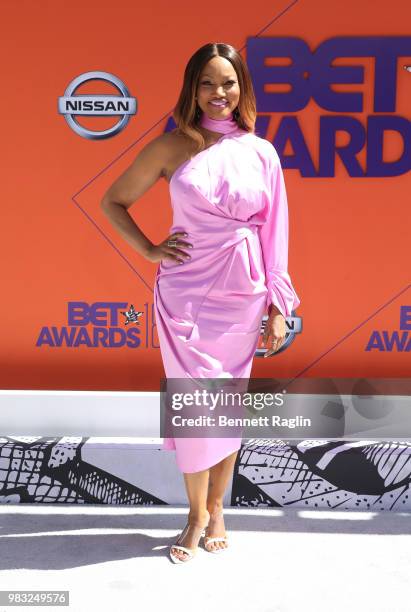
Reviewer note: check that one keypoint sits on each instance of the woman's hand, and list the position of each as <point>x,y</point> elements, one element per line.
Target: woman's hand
<point>163,251</point>
<point>274,327</point>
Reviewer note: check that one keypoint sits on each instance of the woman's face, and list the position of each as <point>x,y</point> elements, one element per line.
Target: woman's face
<point>218,81</point>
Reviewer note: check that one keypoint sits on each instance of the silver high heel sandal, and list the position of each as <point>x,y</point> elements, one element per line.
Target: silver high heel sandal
<point>190,551</point>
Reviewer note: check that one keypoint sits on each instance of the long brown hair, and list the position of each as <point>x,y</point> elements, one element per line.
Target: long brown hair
<point>185,115</point>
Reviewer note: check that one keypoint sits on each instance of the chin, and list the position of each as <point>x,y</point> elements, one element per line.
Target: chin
<point>219,110</point>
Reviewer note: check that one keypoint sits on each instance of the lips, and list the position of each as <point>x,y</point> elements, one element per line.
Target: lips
<point>218,103</point>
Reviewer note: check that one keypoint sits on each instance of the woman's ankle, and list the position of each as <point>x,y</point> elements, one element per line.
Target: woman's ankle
<point>199,518</point>
<point>215,507</point>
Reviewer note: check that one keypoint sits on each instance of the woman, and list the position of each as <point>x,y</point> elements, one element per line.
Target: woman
<point>222,266</point>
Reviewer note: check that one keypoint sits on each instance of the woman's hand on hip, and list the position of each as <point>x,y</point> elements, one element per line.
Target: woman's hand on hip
<point>164,251</point>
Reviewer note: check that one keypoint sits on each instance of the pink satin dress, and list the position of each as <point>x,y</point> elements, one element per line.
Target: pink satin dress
<point>231,200</point>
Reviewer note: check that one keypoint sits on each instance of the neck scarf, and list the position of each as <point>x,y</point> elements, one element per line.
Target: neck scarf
<point>225,126</point>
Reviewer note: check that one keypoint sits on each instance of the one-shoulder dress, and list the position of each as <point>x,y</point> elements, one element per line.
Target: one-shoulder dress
<point>231,200</point>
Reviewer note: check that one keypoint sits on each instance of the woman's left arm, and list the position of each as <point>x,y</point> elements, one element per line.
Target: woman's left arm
<point>281,297</point>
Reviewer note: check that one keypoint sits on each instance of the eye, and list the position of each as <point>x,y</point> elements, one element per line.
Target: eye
<point>231,82</point>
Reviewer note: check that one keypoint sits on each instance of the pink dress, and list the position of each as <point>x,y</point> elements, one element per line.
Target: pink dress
<point>231,200</point>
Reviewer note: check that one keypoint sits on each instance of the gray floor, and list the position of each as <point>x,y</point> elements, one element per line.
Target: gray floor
<point>116,558</point>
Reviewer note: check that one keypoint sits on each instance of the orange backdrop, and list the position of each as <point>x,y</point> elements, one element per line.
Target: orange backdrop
<point>349,237</point>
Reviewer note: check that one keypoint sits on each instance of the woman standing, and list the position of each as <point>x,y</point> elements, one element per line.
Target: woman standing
<point>224,263</point>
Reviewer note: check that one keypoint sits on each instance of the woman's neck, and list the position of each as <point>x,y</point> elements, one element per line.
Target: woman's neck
<point>215,127</point>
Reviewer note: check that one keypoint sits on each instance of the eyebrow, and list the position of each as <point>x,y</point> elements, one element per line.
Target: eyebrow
<point>230,76</point>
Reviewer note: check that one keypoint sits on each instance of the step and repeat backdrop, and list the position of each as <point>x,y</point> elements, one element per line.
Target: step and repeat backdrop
<point>86,92</point>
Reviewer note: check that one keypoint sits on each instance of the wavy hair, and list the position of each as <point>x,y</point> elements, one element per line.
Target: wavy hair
<point>184,113</point>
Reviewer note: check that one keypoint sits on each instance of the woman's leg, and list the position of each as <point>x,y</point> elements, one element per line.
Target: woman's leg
<point>219,478</point>
<point>198,516</point>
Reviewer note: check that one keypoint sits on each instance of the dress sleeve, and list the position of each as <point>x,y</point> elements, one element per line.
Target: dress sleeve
<point>274,240</point>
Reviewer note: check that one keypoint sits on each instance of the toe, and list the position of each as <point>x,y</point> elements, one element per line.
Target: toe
<point>178,553</point>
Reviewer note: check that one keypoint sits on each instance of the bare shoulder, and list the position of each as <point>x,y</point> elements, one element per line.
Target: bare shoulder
<point>161,146</point>
<point>151,164</point>
<point>178,147</point>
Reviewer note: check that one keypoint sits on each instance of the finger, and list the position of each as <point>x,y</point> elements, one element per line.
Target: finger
<point>182,254</point>
<point>266,333</point>
<point>268,352</point>
<point>272,350</point>
<point>177,253</point>
<point>177,234</point>
<point>172,255</point>
<point>180,243</point>
<point>280,342</point>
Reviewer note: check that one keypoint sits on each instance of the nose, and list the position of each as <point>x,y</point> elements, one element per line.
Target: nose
<point>220,91</point>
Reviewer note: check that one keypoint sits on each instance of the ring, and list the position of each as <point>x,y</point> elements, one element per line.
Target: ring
<point>172,243</point>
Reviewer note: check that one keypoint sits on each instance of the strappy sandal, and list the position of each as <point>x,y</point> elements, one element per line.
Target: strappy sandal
<point>190,551</point>
<point>210,540</point>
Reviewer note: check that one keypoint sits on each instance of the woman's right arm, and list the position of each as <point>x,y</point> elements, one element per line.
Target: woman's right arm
<point>144,172</point>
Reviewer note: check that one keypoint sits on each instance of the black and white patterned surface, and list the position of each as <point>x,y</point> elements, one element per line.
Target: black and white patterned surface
<point>268,473</point>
